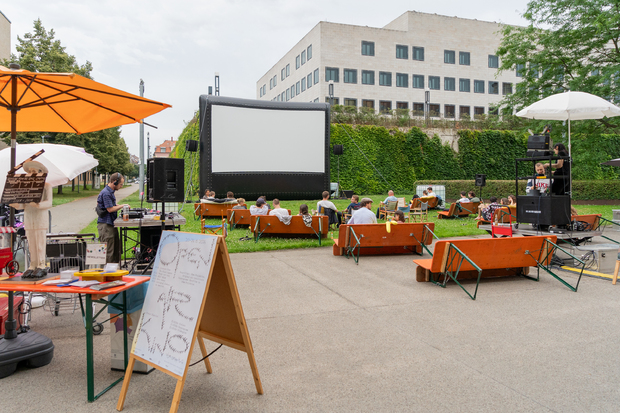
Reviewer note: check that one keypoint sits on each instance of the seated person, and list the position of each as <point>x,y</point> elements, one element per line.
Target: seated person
<point>230,196</point>
<point>463,198</point>
<point>430,192</point>
<point>329,209</point>
<point>277,210</point>
<point>208,195</point>
<point>364,215</point>
<point>390,197</point>
<point>354,205</point>
<point>504,202</point>
<point>399,216</point>
<point>265,199</point>
<point>542,182</point>
<point>303,212</point>
<point>486,212</point>
<point>240,204</point>
<point>472,197</point>
<point>512,200</point>
<point>260,208</point>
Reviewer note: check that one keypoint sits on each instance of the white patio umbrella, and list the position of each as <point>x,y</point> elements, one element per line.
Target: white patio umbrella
<point>570,106</point>
<point>64,162</point>
<point>613,162</point>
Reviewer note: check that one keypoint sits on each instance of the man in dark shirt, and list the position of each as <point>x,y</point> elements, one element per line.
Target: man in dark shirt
<point>105,223</point>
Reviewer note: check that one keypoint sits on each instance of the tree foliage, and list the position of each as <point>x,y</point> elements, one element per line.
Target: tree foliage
<point>567,45</point>
<point>39,51</point>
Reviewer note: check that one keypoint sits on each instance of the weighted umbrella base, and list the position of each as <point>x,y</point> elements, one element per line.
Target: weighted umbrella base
<point>31,349</point>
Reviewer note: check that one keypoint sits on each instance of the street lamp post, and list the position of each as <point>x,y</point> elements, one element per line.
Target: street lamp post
<point>330,90</point>
<point>427,105</point>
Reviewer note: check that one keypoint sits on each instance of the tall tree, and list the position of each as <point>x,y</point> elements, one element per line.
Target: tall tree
<point>39,51</point>
<point>567,45</point>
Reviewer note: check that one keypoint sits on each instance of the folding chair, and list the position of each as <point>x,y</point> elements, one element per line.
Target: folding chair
<point>420,211</point>
<point>388,211</point>
<point>214,229</point>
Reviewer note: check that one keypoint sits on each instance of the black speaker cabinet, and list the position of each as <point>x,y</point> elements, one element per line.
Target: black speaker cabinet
<point>537,154</point>
<point>543,210</point>
<point>481,179</point>
<point>165,180</point>
<point>191,145</point>
<point>538,142</point>
<point>338,149</point>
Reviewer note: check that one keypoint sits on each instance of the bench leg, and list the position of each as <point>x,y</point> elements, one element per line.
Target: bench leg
<point>616,272</point>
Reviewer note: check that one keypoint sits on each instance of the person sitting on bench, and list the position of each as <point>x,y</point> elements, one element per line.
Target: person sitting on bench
<point>430,192</point>
<point>240,204</point>
<point>277,209</point>
<point>303,212</point>
<point>208,195</point>
<point>486,211</point>
<point>364,215</point>
<point>472,197</point>
<point>260,208</point>
<point>230,196</point>
<point>265,199</point>
<point>329,209</point>
<point>354,205</point>
<point>463,198</point>
<point>399,216</point>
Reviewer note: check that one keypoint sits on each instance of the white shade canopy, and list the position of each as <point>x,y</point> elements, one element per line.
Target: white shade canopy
<point>570,106</point>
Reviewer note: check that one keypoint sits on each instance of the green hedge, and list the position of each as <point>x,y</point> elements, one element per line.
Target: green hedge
<point>582,190</point>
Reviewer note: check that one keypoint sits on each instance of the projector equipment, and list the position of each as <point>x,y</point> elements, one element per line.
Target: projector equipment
<point>481,179</point>
<point>544,210</point>
<point>165,180</point>
<point>338,149</point>
<point>540,142</point>
<point>191,146</point>
<point>135,214</point>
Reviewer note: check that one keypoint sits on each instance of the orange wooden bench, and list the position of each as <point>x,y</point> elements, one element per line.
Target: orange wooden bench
<point>238,217</point>
<point>458,210</point>
<point>489,257</point>
<point>206,209</point>
<point>500,215</point>
<point>262,225</point>
<point>593,220</point>
<point>373,239</point>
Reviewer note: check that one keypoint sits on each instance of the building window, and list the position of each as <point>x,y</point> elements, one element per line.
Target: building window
<point>464,112</point>
<point>297,62</point>
<point>385,79</point>
<point>162,149</point>
<point>493,111</point>
<point>449,56</point>
<point>331,73</point>
<point>283,73</point>
<point>350,102</point>
<point>368,77</point>
<point>464,85</point>
<point>478,86</point>
<point>448,111</point>
<point>350,75</point>
<point>402,80</point>
<point>309,77</point>
<point>478,111</point>
<point>402,52</point>
<point>264,89</point>
<point>385,106</point>
<point>506,88</point>
<point>418,109</point>
<point>288,70</point>
<point>520,69</point>
<point>316,76</point>
<point>297,87</point>
<point>283,96</point>
<point>293,92</point>
<point>493,88</point>
<point>402,105</point>
<point>260,92</point>
<point>534,70</point>
<point>288,94</point>
<point>366,103</point>
<point>316,100</point>
<point>449,83</point>
<point>418,81</point>
<point>493,61</point>
<point>275,80</point>
<point>303,57</point>
<point>270,84</point>
<point>418,53</point>
<point>368,48</point>
<point>464,58</point>
<point>303,84</point>
<point>309,50</point>
<point>433,110</point>
<point>335,100</point>
<point>434,82</point>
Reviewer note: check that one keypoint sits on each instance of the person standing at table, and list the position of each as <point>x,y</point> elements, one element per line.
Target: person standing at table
<point>561,176</point>
<point>106,201</point>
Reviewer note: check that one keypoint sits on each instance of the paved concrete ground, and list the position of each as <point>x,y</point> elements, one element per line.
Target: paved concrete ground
<point>330,335</point>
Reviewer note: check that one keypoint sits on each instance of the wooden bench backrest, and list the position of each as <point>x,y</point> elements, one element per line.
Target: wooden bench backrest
<point>493,253</point>
<point>376,235</point>
<point>431,200</point>
<point>272,225</point>
<point>469,208</point>
<point>415,203</point>
<point>212,210</point>
<point>242,216</point>
<point>592,219</point>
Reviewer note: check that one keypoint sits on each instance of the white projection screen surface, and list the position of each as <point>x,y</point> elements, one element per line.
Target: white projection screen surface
<point>266,140</point>
<point>253,148</point>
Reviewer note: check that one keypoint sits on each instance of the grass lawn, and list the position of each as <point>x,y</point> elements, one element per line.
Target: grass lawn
<point>68,195</point>
<point>444,228</point>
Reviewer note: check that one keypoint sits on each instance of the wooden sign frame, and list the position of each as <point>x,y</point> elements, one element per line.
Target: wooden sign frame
<point>221,320</point>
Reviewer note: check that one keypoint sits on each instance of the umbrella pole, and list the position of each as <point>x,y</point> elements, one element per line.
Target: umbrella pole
<point>570,163</point>
<point>10,325</point>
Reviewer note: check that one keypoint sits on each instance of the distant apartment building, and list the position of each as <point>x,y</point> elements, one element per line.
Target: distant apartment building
<point>451,58</point>
<point>163,150</point>
<point>5,37</point>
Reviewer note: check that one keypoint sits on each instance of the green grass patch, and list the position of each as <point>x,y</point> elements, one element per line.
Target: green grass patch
<point>69,196</point>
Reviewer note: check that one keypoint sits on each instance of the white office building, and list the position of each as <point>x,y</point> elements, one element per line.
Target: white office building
<point>5,37</point>
<point>391,67</point>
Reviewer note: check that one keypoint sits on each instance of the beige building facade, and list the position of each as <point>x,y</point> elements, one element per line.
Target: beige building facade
<point>451,59</point>
<point>5,37</point>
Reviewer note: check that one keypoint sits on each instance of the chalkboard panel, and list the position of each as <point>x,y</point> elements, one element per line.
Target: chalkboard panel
<point>174,299</point>
<point>23,188</point>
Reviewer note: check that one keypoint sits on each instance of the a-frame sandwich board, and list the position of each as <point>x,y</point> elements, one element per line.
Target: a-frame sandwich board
<point>220,317</point>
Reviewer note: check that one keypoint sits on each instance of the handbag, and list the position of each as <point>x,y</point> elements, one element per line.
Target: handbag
<point>100,211</point>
